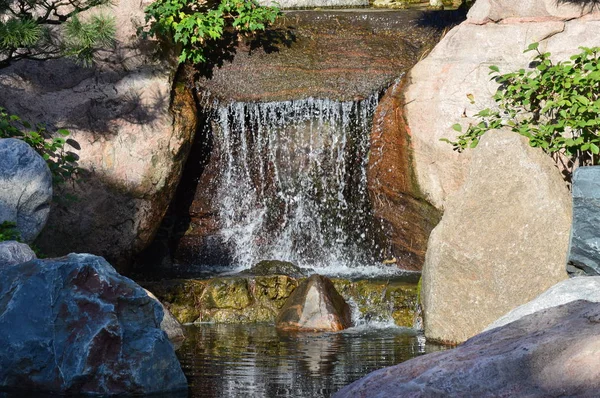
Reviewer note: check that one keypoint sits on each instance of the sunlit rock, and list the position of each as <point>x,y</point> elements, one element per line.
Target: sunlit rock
<point>25,188</point>
<point>502,241</point>
<point>73,324</point>
<point>579,288</point>
<point>550,353</point>
<point>12,252</point>
<point>315,305</point>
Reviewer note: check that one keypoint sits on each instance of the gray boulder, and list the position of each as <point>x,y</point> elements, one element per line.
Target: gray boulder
<point>169,324</point>
<point>502,241</point>
<point>584,251</point>
<point>74,325</point>
<point>580,288</point>
<point>552,353</point>
<point>25,188</point>
<point>13,252</point>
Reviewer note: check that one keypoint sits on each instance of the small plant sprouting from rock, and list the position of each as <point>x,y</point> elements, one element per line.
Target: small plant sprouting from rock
<point>62,163</point>
<point>9,231</point>
<point>198,26</point>
<point>555,105</point>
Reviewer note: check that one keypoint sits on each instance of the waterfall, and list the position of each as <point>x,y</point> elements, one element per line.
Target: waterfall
<point>293,182</point>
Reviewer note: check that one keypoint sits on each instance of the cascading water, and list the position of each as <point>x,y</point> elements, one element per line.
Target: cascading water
<point>293,183</point>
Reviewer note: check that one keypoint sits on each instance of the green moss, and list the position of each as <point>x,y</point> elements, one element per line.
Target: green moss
<point>227,293</point>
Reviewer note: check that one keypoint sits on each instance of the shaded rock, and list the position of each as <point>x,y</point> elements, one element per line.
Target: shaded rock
<point>169,324</point>
<point>584,250</point>
<point>73,324</point>
<point>457,69</point>
<point>502,241</point>
<point>133,124</point>
<point>405,219</point>
<point>13,252</point>
<point>580,288</point>
<point>275,267</point>
<point>25,188</point>
<point>315,305</point>
<point>536,356</point>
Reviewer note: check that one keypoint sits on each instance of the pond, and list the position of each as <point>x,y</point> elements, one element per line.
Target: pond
<point>224,360</point>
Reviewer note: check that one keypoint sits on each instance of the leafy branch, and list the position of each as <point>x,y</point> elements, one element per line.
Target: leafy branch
<point>197,26</point>
<point>555,105</point>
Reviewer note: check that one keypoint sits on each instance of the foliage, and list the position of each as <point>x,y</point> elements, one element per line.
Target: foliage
<point>46,29</point>
<point>9,231</point>
<point>62,163</point>
<point>555,105</point>
<point>197,26</point>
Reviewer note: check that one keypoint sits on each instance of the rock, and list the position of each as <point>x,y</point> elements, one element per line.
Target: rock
<point>25,188</point>
<point>74,325</point>
<point>502,241</point>
<point>579,288</point>
<point>536,356</point>
<point>275,267</point>
<point>169,324</point>
<point>315,305</point>
<point>457,69</point>
<point>584,250</point>
<point>134,122</point>
<point>314,3</point>
<point>484,11</point>
<point>13,252</point>
<point>405,218</point>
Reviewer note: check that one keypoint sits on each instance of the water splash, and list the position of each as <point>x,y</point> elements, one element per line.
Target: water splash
<point>293,184</point>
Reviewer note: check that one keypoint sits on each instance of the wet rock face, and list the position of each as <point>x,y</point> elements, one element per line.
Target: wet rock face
<point>502,241</point>
<point>12,252</point>
<point>536,356</point>
<point>25,188</point>
<point>337,55</point>
<point>275,267</point>
<point>74,325</point>
<point>315,305</point>
<point>405,218</point>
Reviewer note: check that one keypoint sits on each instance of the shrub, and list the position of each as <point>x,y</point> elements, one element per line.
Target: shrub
<point>555,105</point>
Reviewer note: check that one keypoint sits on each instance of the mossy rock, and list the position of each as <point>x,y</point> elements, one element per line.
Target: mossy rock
<point>274,289</point>
<point>227,293</point>
<point>274,267</point>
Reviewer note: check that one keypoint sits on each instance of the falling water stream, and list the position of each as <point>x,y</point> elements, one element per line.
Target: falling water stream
<point>293,184</point>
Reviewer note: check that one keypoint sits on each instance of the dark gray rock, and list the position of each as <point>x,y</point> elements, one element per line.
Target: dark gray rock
<point>584,250</point>
<point>539,355</point>
<point>74,325</point>
<point>25,188</point>
<point>13,252</point>
<point>274,267</point>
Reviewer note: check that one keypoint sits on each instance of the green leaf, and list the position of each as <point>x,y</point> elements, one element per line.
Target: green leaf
<point>457,127</point>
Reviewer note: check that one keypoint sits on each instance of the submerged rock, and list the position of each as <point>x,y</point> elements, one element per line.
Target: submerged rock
<point>12,252</point>
<point>275,267</point>
<point>74,325</point>
<point>539,355</point>
<point>25,188</point>
<point>580,288</point>
<point>502,241</point>
<point>584,251</point>
<point>315,305</point>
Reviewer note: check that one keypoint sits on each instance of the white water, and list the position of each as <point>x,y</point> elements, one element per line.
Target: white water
<point>293,184</point>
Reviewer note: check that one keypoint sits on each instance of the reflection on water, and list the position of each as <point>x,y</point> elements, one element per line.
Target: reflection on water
<point>259,361</point>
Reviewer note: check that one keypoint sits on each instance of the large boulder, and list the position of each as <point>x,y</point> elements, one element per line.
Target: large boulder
<point>584,250</point>
<point>502,241</point>
<point>315,305</point>
<point>441,85</point>
<point>579,288</point>
<point>13,252</point>
<point>169,324</point>
<point>25,188</point>
<point>74,325</point>
<point>555,352</point>
<point>133,124</point>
